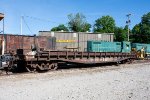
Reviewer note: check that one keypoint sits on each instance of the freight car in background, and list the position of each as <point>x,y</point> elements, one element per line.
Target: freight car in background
<point>14,42</point>
<point>76,41</point>
<point>22,44</point>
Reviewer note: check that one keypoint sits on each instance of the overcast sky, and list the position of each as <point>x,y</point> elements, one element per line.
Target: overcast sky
<point>42,15</point>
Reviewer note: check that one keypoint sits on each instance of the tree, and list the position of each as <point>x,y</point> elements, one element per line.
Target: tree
<point>135,36</point>
<point>60,28</point>
<point>136,29</point>
<point>120,34</point>
<point>146,19</point>
<point>145,28</point>
<point>105,24</point>
<point>141,31</point>
<point>145,33</point>
<point>78,23</point>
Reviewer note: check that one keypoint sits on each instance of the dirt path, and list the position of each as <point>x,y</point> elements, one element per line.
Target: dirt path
<point>125,82</point>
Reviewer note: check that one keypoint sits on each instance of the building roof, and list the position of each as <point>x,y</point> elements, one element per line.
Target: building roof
<point>47,32</point>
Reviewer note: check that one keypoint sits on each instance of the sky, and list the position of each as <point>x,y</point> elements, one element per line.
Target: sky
<point>42,15</point>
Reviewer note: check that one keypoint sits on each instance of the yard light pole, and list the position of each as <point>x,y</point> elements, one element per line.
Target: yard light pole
<point>128,23</point>
<point>21,24</point>
<point>3,40</point>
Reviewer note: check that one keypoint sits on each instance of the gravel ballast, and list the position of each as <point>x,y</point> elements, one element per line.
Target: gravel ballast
<point>124,82</point>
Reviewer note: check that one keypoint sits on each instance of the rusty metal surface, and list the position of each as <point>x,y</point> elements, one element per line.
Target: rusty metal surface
<point>49,60</point>
<point>82,57</point>
<point>14,42</point>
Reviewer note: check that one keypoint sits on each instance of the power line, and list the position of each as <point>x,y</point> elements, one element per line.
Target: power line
<point>27,25</point>
<point>35,18</point>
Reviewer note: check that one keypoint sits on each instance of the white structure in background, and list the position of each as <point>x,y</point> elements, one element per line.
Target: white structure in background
<point>3,40</point>
<point>52,34</point>
<point>74,35</point>
<point>99,36</point>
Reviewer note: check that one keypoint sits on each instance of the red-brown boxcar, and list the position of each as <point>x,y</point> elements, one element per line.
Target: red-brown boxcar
<point>14,42</point>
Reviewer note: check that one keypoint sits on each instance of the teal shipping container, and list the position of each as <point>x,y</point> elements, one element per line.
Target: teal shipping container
<point>126,47</point>
<point>102,46</point>
<point>139,46</point>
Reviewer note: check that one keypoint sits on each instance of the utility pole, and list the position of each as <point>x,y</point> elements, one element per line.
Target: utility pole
<point>21,25</point>
<point>128,23</point>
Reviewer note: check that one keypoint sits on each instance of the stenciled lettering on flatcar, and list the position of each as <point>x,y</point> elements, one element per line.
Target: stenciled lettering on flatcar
<point>63,41</point>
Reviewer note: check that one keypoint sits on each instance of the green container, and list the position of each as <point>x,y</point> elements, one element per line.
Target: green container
<point>126,47</point>
<point>102,46</point>
<point>139,46</point>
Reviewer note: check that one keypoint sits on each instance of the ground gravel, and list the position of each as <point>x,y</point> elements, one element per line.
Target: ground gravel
<point>124,82</point>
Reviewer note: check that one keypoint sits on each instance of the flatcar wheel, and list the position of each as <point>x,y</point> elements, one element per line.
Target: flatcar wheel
<point>30,68</point>
<point>54,66</point>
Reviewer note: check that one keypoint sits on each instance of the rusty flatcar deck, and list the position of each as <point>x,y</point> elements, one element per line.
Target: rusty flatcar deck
<point>81,57</point>
<point>50,60</point>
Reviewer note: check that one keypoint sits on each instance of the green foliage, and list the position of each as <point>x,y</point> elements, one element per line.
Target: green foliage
<point>146,19</point>
<point>136,31</point>
<point>126,29</point>
<point>60,27</point>
<point>141,31</point>
<point>105,24</point>
<point>145,33</point>
<point>78,23</point>
<point>120,34</point>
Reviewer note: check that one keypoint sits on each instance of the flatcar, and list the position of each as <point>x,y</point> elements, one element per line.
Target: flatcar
<point>37,53</point>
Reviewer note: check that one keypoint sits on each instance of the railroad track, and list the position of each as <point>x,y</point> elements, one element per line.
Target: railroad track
<point>3,72</point>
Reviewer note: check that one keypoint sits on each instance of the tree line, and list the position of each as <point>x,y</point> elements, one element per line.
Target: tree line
<point>106,24</point>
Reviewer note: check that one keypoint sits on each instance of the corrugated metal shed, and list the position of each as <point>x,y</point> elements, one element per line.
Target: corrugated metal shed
<point>76,41</point>
<point>84,37</point>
